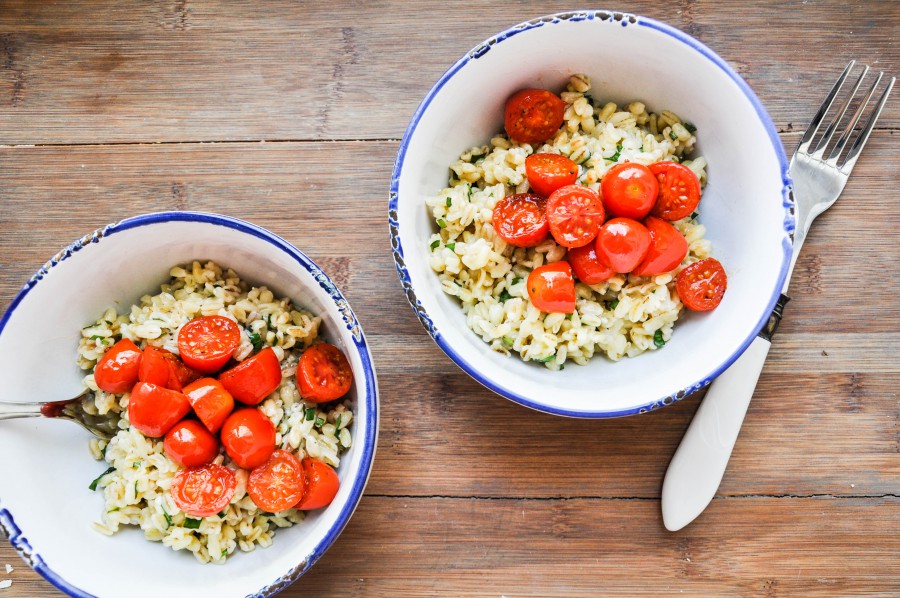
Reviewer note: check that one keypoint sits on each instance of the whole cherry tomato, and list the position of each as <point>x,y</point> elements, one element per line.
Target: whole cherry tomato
<point>679,190</point>
<point>323,373</point>
<point>548,172</point>
<point>520,220</point>
<point>207,343</point>
<point>702,285</point>
<point>117,370</point>
<point>248,437</point>
<point>210,401</point>
<point>163,368</point>
<point>587,266</point>
<point>322,485</point>
<point>574,214</point>
<point>629,190</point>
<point>203,491</point>
<point>189,444</point>
<point>277,484</point>
<point>155,409</point>
<point>667,248</point>
<point>253,379</point>
<point>622,244</point>
<point>551,288</point>
<point>533,115</point>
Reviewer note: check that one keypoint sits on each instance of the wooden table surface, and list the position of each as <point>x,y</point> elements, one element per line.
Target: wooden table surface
<point>288,114</point>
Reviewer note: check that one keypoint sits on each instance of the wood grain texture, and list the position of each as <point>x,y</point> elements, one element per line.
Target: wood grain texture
<point>109,109</point>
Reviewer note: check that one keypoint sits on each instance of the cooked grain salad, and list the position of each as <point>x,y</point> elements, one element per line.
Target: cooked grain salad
<point>622,316</point>
<point>136,485</point>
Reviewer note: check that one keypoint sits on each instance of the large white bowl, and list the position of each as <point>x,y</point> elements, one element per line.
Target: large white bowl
<point>46,507</point>
<point>747,206</point>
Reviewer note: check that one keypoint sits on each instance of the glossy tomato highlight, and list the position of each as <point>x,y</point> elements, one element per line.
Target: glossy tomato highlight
<point>551,288</point>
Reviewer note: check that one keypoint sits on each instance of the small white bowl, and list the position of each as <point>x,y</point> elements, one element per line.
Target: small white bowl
<point>747,206</point>
<point>45,505</point>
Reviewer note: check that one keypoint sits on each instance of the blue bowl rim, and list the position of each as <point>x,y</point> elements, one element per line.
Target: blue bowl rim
<point>370,436</point>
<point>625,19</point>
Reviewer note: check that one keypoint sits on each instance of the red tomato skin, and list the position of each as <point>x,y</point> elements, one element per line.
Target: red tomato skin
<point>253,379</point>
<point>702,285</point>
<point>207,343</point>
<point>667,248</point>
<point>629,190</point>
<point>210,401</point>
<point>533,115</point>
<point>203,491</point>
<point>551,288</point>
<point>679,191</point>
<point>190,444</point>
<point>163,368</point>
<point>323,373</point>
<point>574,214</point>
<point>117,370</point>
<point>322,485</point>
<point>155,409</point>
<point>279,483</point>
<point>588,268</point>
<point>521,220</point>
<point>548,172</point>
<point>622,244</point>
<point>248,437</point>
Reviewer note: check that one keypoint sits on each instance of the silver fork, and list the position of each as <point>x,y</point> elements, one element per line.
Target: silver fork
<point>699,462</point>
<point>103,427</point>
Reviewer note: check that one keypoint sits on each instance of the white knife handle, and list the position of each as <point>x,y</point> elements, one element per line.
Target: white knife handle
<point>699,463</point>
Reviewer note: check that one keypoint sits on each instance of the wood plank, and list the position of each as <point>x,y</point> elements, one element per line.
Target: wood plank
<point>181,71</point>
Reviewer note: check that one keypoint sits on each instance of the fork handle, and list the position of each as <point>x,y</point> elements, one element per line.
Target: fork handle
<point>17,410</point>
<point>699,462</point>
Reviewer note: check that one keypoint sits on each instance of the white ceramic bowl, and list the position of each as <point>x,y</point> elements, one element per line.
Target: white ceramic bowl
<point>747,206</point>
<point>45,504</point>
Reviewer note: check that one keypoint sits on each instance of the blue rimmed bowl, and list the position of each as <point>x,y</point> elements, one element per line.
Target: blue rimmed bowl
<point>46,507</point>
<point>747,205</point>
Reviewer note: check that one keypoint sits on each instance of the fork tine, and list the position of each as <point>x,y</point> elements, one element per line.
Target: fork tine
<point>829,132</point>
<point>848,130</point>
<point>817,119</point>
<point>860,141</point>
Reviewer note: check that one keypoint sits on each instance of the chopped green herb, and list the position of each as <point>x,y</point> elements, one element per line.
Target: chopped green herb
<point>97,337</point>
<point>136,464</point>
<point>269,321</point>
<point>257,341</point>
<point>191,523</point>
<point>585,159</point>
<point>694,215</point>
<point>168,518</point>
<point>89,326</point>
<point>470,191</point>
<point>690,127</point>
<point>451,246</point>
<point>319,422</point>
<point>672,135</point>
<point>615,156</point>
<point>508,342</point>
<point>310,414</point>
<point>568,316</point>
<point>449,202</point>
<point>641,149</point>
<point>658,339</point>
<point>589,98</point>
<point>545,359</point>
<point>113,510</point>
<point>103,452</point>
<point>135,488</point>
<point>93,485</point>
<point>476,158</point>
<point>611,304</point>
<point>222,514</point>
<point>224,552</point>
<point>337,425</point>
<point>674,159</point>
<point>434,245</point>
<point>505,296</point>
<point>517,280</point>
<point>442,223</point>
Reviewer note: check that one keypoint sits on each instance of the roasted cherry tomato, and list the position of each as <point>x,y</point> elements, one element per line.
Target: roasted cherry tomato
<point>253,379</point>
<point>548,172</point>
<point>163,368</point>
<point>520,220</point>
<point>702,285</point>
<point>667,248</point>
<point>622,244</point>
<point>323,373</point>
<point>210,401</point>
<point>155,409</point>
<point>629,190</point>
<point>248,437</point>
<point>322,485</point>
<point>189,444</point>
<point>587,266</point>
<point>117,370</point>
<point>203,491</point>
<point>277,484</point>
<point>679,190</point>
<point>206,343</point>
<point>551,288</point>
<point>574,214</point>
<point>533,115</point>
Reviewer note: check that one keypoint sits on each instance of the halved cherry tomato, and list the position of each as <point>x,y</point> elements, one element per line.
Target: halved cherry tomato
<point>520,220</point>
<point>253,379</point>
<point>587,266</point>
<point>210,401</point>
<point>248,437</point>
<point>117,370</point>
<point>203,491</point>
<point>277,484</point>
<point>206,343</point>
<point>679,190</point>
<point>322,485</point>
<point>189,444</point>
<point>702,285</point>
<point>548,172</point>
<point>163,368</point>
<point>629,190</point>
<point>667,248</point>
<point>551,288</point>
<point>574,214</point>
<point>622,244</point>
<point>323,373</point>
<point>155,409</point>
<point>533,115</point>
